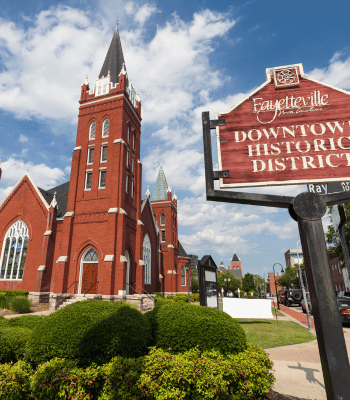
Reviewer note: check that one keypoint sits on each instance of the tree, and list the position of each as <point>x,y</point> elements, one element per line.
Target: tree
<point>194,282</point>
<point>259,283</point>
<point>289,278</point>
<point>248,282</point>
<point>228,282</point>
<point>332,237</point>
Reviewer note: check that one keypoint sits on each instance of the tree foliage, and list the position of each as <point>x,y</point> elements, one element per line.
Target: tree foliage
<point>194,282</point>
<point>248,282</point>
<point>289,278</point>
<point>332,237</point>
<point>228,282</point>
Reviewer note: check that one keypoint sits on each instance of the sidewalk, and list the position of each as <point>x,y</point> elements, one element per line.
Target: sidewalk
<point>297,367</point>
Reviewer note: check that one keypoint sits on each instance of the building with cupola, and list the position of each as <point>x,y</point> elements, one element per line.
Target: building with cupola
<point>235,267</point>
<point>95,236</point>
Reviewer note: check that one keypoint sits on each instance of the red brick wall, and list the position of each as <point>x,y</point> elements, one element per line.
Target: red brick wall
<point>338,279</point>
<point>25,204</point>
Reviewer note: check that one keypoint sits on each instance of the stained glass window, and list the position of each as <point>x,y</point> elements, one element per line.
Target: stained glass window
<point>147,259</point>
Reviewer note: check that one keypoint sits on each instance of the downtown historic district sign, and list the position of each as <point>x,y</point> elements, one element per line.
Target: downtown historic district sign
<point>291,130</point>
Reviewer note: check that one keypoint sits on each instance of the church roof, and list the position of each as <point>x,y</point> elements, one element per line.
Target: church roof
<point>61,197</point>
<point>181,250</point>
<point>160,190</point>
<point>235,258</point>
<point>114,59</point>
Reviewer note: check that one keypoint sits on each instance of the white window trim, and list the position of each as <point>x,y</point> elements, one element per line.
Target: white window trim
<point>86,175</point>
<point>161,236</point>
<point>127,182</point>
<point>132,187</point>
<point>128,135</point>
<point>13,233</point>
<point>99,178</point>
<point>102,146</point>
<point>92,138</point>
<point>103,128</point>
<point>162,224</point>
<point>87,161</point>
<point>147,258</point>
<point>183,284</point>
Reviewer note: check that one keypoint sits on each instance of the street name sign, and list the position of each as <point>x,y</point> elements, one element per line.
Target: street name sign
<point>290,130</point>
<point>330,187</point>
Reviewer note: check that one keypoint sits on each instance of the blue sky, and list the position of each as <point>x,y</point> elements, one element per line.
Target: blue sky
<point>183,58</point>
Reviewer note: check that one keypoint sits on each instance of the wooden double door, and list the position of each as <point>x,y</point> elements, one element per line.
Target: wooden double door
<point>89,278</point>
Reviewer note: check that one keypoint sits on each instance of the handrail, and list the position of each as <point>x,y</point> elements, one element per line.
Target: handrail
<point>148,294</point>
<point>60,295</point>
<point>90,288</point>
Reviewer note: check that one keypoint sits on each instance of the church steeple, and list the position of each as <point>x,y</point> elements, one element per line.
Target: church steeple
<point>114,61</point>
<point>161,188</point>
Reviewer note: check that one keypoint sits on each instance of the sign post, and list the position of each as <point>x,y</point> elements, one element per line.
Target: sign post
<point>291,130</point>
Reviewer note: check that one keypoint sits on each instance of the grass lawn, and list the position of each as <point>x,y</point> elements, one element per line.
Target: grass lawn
<point>267,333</point>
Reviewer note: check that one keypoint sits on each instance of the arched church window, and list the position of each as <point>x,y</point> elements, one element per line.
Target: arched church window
<point>90,256</point>
<point>162,219</point>
<point>105,129</point>
<point>14,251</point>
<point>92,132</point>
<point>147,259</point>
<point>183,276</point>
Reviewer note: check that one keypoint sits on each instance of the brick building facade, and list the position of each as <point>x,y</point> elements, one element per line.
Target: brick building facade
<point>93,234</point>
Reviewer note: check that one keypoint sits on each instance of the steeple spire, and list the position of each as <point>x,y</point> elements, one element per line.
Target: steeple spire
<point>114,60</point>
<point>161,188</point>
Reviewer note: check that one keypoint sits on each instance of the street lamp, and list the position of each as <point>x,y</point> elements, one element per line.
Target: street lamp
<point>188,282</point>
<point>301,279</point>
<point>274,275</point>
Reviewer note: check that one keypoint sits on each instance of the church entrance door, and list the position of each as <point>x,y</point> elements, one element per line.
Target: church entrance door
<point>89,272</point>
<point>89,279</point>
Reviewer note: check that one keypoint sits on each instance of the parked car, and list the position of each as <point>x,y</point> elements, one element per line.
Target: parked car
<point>344,309</point>
<point>302,303</point>
<point>290,297</point>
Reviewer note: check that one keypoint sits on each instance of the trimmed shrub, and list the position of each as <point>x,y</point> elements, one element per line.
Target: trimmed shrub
<point>4,302</point>
<point>20,304</point>
<point>14,293</point>
<point>210,375</point>
<point>90,331</point>
<point>26,321</point>
<point>3,320</point>
<point>179,327</point>
<point>194,297</point>
<point>61,379</point>
<point>120,379</point>
<point>13,342</point>
<point>15,381</point>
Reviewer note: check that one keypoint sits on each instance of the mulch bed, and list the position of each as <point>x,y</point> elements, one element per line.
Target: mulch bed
<point>272,395</point>
<point>37,307</point>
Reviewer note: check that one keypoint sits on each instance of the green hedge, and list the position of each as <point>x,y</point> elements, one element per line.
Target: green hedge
<point>14,293</point>
<point>20,304</point>
<point>25,321</point>
<point>90,331</point>
<point>159,375</point>
<point>183,297</point>
<point>179,327</point>
<point>210,375</point>
<point>13,342</point>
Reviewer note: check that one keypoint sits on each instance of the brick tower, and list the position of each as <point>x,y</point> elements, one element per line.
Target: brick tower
<point>165,210</point>
<point>100,239</point>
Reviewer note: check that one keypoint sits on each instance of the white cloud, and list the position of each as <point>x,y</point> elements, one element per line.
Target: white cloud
<point>337,73</point>
<point>44,66</point>
<point>42,175</point>
<point>23,139</point>
<point>144,13</point>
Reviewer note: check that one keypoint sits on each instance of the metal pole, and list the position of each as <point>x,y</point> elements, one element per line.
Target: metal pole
<point>304,293</point>
<point>309,209</point>
<point>278,304</point>
<point>188,283</point>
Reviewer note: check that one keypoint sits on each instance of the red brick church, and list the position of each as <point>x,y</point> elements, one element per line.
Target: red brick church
<point>94,235</point>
